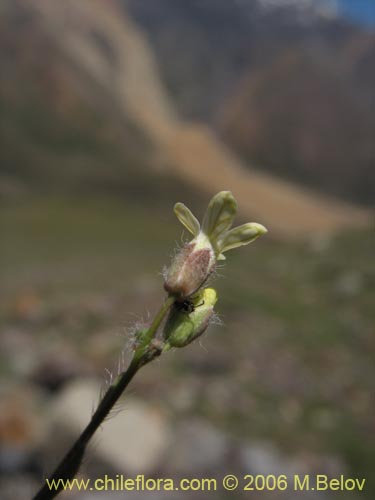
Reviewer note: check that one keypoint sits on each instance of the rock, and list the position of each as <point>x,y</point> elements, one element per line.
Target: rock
<point>264,458</point>
<point>134,441</point>
<point>21,426</point>
<point>197,447</point>
<point>184,393</point>
<point>57,367</point>
<point>19,351</point>
<point>350,283</point>
<point>17,486</point>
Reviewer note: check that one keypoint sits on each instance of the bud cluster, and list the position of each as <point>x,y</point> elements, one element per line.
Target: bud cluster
<point>193,264</point>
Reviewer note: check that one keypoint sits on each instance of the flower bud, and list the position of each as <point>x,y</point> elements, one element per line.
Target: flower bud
<point>182,326</point>
<point>195,262</point>
<point>190,268</point>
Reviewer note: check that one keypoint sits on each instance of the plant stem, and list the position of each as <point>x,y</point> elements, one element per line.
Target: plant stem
<point>70,464</point>
<point>154,327</point>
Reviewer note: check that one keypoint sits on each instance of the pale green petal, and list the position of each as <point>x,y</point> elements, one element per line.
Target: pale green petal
<point>219,215</point>
<point>241,235</point>
<point>186,217</point>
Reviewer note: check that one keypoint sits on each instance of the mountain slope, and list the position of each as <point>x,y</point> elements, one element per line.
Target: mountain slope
<point>301,120</point>
<point>59,128</point>
<point>103,50</point>
<point>230,64</point>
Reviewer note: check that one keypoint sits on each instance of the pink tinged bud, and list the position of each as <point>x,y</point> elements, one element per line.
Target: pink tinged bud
<point>195,262</point>
<point>190,269</point>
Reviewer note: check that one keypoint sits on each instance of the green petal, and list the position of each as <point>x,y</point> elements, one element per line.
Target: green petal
<point>187,219</point>
<point>219,215</point>
<point>241,235</point>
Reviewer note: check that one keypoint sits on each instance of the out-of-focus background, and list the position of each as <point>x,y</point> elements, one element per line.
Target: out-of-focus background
<point>110,112</point>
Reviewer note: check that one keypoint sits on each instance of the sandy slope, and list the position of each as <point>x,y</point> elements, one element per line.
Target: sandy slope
<point>189,150</point>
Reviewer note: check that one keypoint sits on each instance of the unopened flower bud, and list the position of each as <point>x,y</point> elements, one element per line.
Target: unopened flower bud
<point>189,319</point>
<point>196,261</point>
<point>190,268</point>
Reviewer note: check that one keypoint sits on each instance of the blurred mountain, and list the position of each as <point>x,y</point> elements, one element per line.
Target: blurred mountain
<point>66,99</point>
<point>83,108</point>
<point>289,85</point>
<point>304,121</point>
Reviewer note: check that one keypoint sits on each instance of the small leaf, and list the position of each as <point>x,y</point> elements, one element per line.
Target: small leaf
<point>187,219</point>
<point>241,235</point>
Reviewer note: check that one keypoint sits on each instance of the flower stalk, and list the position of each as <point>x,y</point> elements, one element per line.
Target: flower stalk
<point>186,312</point>
<point>70,464</point>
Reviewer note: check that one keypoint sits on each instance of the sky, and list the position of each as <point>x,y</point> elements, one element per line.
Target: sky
<point>362,11</point>
<point>359,11</point>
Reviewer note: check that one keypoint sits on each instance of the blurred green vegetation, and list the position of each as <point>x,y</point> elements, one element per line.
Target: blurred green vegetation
<point>78,242</point>
<point>294,359</point>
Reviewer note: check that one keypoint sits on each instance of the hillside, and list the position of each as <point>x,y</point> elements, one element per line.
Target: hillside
<point>288,85</point>
<point>62,128</point>
<point>318,130</point>
<point>96,108</point>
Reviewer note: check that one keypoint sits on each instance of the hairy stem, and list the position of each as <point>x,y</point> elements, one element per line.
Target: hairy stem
<point>70,464</point>
<point>154,327</point>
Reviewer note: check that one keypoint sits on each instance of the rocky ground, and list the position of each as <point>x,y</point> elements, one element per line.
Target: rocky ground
<point>283,384</point>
